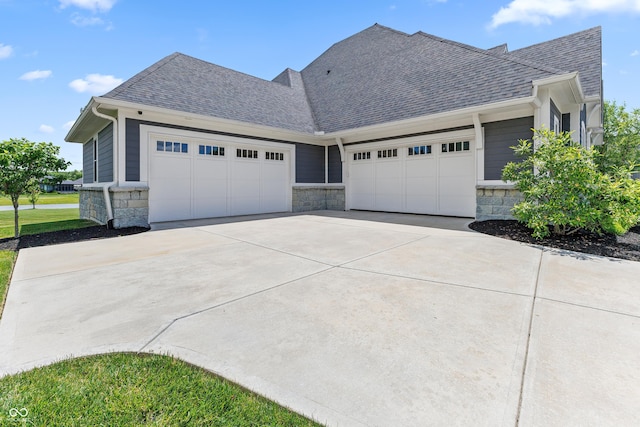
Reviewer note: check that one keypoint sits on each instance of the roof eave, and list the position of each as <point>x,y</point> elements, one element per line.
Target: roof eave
<point>214,123</point>
<point>401,125</point>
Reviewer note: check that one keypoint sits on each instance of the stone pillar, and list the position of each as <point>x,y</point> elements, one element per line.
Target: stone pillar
<point>496,201</point>
<point>315,198</point>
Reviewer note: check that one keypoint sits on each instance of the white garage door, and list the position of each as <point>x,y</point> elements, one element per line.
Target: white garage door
<point>191,178</point>
<point>429,178</point>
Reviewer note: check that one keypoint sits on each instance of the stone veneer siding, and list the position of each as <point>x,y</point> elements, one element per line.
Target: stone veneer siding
<point>130,206</point>
<point>314,198</point>
<point>496,201</point>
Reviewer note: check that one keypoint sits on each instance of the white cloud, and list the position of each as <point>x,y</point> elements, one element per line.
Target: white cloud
<point>68,125</point>
<point>96,84</point>
<point>46,129</point>
<point>84,21</point>
<point>5,51</point>
<point>92,5</point>
<point>537,12</point>
<point>35,75</point>
<point>635,53</point>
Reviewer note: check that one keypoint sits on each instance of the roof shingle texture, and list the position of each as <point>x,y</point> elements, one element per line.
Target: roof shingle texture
<point>183,83</point>
<point>581,52</point>
<point>375,76</point>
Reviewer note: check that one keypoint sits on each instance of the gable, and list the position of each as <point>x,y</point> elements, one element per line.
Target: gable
<point>581,52</point>
<point>381,75</point>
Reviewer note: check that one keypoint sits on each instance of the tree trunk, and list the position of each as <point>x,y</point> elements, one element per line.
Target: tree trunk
<point>16,229</point>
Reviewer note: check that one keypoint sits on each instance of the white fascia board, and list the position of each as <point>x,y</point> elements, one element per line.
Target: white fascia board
<point>461,114</point>
<point>572,79</point>
<point>83,114</point>
<point>452,136</point>
<point>214,123</point>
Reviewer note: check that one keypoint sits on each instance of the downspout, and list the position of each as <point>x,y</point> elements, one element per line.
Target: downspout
<point>107,185</point>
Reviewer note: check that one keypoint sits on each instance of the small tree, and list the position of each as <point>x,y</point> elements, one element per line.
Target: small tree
<point>33,192</point>
<point>621,146</point>
<point>21,163</point>
<point>563,188</point>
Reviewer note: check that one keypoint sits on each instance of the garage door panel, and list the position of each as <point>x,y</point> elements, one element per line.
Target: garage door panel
<point>170,195</point>
<point>362,185</point>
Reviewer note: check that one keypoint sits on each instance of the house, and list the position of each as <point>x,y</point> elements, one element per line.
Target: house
<point>383,121</point>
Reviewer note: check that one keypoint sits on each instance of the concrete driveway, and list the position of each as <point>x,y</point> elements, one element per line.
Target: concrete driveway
<point>350,318</point>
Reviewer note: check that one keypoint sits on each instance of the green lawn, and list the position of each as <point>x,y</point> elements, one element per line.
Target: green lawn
<point>44,199</point>
<point>135,390</point>
<point>34,221</point>
<point>122,389</point>
<point>6,266</point>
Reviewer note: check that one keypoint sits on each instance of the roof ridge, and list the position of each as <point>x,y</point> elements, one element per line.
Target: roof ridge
<point>504,56</point>
<point>144,73</point>
<point>598,27</point>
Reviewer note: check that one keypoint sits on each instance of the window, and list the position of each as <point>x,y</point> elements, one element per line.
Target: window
<point>452,147</point>
<point>364,155</point>
<point>270,155</point>
<point>210,150</point>
<point>391,152</point>
<point>246,154</point>
<point>175,147</point>
<point>419,150</point>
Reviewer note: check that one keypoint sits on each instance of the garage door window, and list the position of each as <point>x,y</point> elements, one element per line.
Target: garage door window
<point>419,150</point>
<point>172,147</point>
<point>391,152</point>
<point>246,154</point>
<point>270,155</point>
<point>211,150</point>
<point>452,147</point>
<point>362,156</point>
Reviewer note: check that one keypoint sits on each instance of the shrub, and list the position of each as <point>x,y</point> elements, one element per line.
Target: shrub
<point>564,190</point>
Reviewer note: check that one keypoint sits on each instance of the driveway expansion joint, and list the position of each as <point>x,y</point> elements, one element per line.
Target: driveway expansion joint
<point>225,303</point>
<point>526,353</point>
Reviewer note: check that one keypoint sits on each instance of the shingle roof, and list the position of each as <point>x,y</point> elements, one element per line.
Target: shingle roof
<point>381,75</point>
<point>375,76</point>
<point>183,83</point>
<point>580,52</point>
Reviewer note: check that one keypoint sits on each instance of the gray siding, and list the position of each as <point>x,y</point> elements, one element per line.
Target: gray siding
<point>87,162</point>
<point>498,138</point>
<point>309,163</point>
<point>132,150</point>
<point>105,154</point>
<point>335,165</point>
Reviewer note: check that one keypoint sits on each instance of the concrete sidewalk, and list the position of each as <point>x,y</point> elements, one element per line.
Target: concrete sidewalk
<point>352,318</point>
<point>27,207</point>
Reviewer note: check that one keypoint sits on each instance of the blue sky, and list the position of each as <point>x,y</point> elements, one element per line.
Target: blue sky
<point>56,54</point>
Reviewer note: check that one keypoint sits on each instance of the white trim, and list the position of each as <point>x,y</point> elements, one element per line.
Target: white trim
<point>435,137</point>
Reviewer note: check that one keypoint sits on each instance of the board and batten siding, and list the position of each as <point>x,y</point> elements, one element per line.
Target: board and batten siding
<point>132,150</point>
<point>87,162</point>
<point>105,154</point>
<point>499,137</point>
<point>309,164</point>
<point>335,165</point>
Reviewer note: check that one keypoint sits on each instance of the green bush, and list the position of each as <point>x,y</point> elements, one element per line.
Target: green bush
<point>564,191</point>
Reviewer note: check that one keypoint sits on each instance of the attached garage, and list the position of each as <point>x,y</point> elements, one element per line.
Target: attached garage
<point>191,177</point>
<point>426,177</point>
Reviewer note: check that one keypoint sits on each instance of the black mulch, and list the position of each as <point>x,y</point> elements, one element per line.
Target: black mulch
<point>608,245</point>
<point>66,236</point>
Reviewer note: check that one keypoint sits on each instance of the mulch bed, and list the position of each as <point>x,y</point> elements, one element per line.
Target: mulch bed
<point>66,236</point>
<point>608,245</point>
